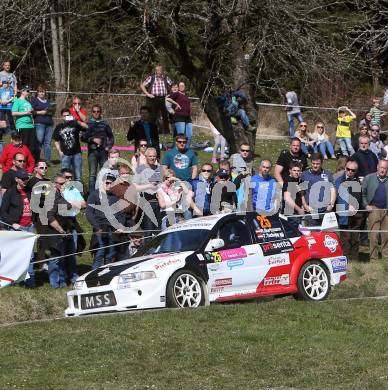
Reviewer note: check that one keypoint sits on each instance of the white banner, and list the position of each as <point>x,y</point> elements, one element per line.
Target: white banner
<point>15,254</point>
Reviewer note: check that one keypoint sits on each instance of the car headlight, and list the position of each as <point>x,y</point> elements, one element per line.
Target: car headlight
<point>126,280</point>
<point>78,285</point>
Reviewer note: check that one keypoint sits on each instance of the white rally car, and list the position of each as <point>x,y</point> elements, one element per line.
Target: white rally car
<point>212,259</point>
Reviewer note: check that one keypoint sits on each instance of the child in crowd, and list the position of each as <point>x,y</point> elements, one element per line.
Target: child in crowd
<point>323,144</point>
<point>343,133</point>
<point>376,113</point>
<point>6,99</point>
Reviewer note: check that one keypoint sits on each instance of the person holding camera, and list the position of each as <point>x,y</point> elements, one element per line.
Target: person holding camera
<point>67,142</point>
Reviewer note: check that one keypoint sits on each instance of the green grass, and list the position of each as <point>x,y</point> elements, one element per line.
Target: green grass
<point>277,344</point>
<point>281,344</point>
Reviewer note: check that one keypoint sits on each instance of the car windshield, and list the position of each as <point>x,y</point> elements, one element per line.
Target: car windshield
<point>178,241</point>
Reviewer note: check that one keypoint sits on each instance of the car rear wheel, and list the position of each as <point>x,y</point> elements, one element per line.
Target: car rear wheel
<point>184,289</point>
<point>313,281</point>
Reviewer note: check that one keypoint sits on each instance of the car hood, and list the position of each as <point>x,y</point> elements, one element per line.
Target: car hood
<point>157,263</point>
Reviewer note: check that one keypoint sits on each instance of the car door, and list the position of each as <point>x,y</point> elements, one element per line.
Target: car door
<point>231,268</point>
<point>274,254</point>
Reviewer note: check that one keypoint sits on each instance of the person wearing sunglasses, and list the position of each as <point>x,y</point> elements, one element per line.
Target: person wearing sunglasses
<point>78,112</point>
<point>67,142</point>
<point>144,129</point>
<point>201,187</point>
<point>139,157</point>
<point>375,143</point>
<point>241,165</point>
<point>22,112</point>
<point>323,144</point>
<point>8,179</point>
<point>103,230</point>
<point>100,139</point>
<point>348,204</point>
<point>16,211</point>
<point>182,160</point>
<point>16,146</point>
<point>307,140</point>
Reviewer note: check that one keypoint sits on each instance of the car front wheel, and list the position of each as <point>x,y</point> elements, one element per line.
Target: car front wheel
<point>313,281</point>
<point>184,289</point>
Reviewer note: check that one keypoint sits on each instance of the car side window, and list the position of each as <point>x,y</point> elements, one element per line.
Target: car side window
<point>267,228</point>
<point>290,230</point>
<point>235,234</point>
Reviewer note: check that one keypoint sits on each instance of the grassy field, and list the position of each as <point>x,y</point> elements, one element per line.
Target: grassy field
<point>273,344</point>
<point>279,344</point>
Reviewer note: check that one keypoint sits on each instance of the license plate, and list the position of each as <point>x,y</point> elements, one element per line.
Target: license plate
<point>97,300</point>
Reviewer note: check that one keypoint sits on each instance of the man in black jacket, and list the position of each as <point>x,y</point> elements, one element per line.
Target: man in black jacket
<point>100,139</point>
<point>144,129</point>
<point>16,211</point>
<point>101,220</point>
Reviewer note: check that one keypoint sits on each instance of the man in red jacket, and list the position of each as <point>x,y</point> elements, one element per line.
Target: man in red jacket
<point>16,146</point>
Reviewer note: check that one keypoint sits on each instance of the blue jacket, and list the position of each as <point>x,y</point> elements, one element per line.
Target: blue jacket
<point>343,194</point>
<point>263,192</point>
<point>202,193</point>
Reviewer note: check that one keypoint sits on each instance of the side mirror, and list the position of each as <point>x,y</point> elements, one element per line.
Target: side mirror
<point>214,244</point>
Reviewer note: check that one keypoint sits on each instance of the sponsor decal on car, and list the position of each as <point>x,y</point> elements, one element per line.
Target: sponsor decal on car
<point>272,248</point>
<point>330,243</point>
<point>310,241</point>
<point>339,264</point>
<point>270,233</point>
<point>235,263</point>
<point>277,280</point>
<point>228,254</point>
<point>166,263</point>
<point>216,289</point>
<point>278,260</point>
<point>222,282</point>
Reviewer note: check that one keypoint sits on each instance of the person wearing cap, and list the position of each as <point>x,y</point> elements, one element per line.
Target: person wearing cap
<point>223,193</point>
<point>22,111</point>
<point>8,179</point>
<point>6,102</point>
<point>264,190</point>
<point>16,211</point>
<point>102,221</point>
<point>16,146</point>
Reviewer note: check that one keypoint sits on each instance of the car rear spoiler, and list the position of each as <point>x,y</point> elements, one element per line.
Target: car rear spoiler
<point>308,223</point>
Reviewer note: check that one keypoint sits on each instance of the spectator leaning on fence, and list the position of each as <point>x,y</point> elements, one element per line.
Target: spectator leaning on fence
<point>16,211</point>
<point>349,202</point>
<point>104,232</point>
<point>320,194</point>
<point>375,200</point>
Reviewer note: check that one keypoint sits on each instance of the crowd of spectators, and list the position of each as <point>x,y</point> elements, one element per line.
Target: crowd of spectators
<point>152,192</point>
